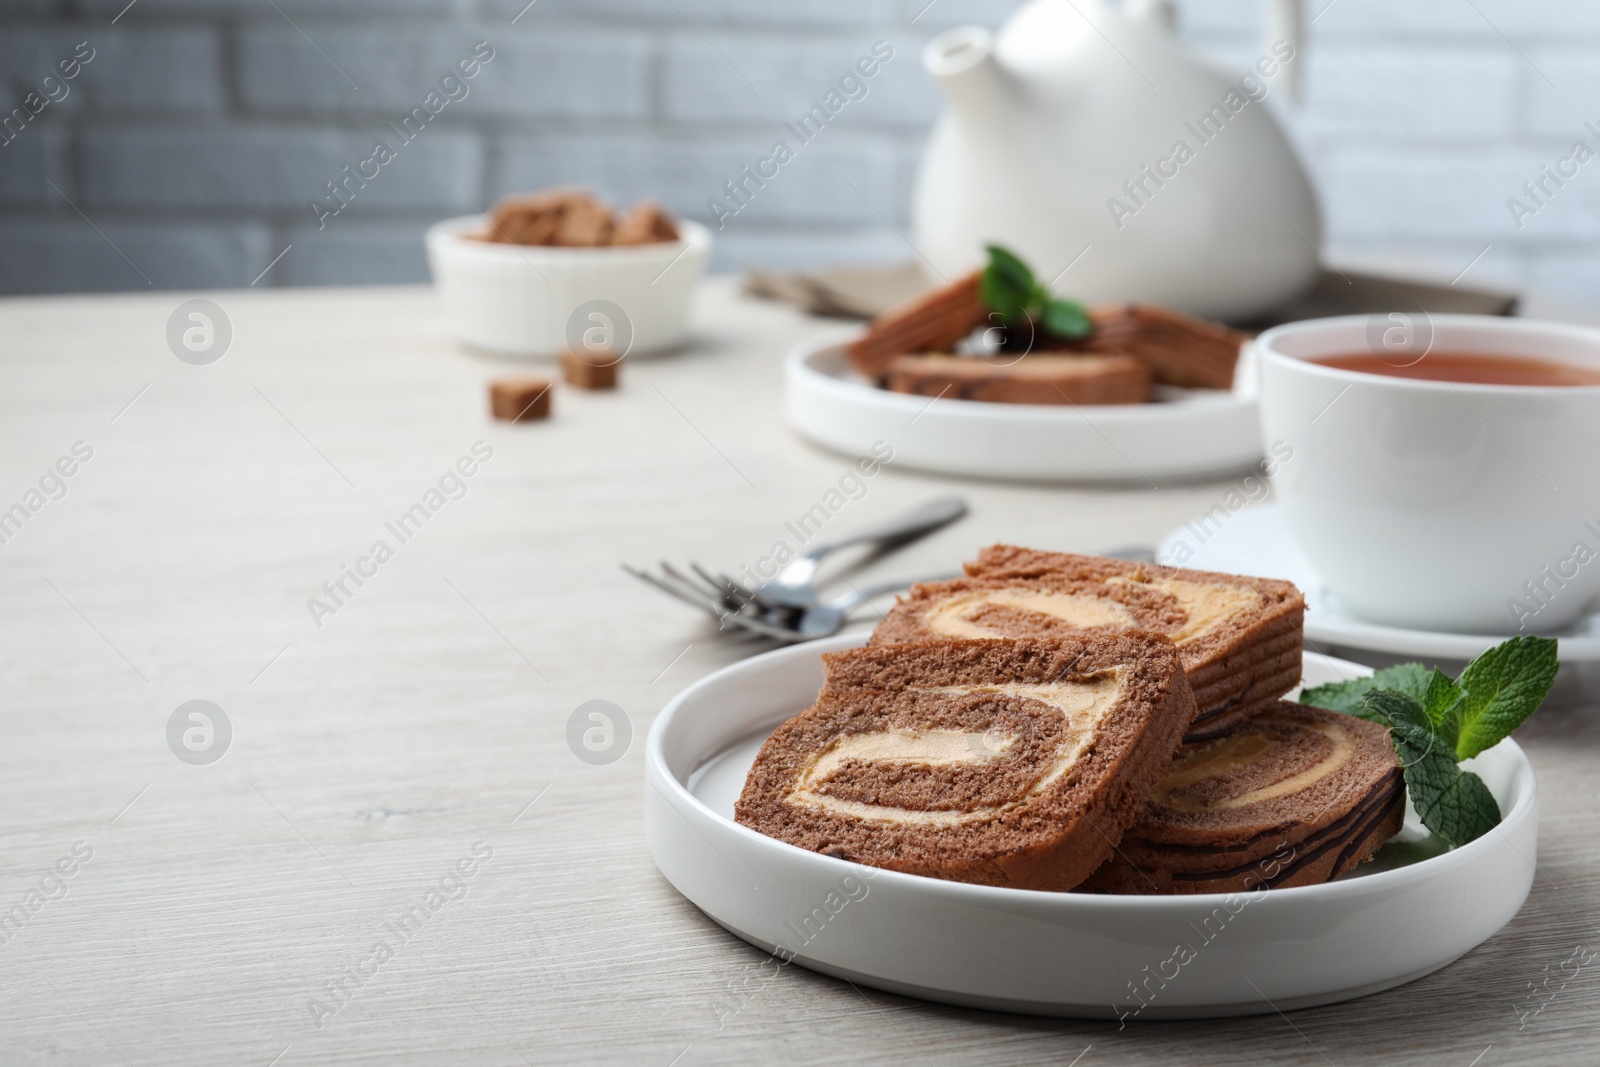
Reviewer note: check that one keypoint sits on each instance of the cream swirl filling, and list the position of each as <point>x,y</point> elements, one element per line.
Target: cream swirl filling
<point>1083,705</point>
<point>1206,604</point>
<point>1240,750</point>
<point>949,617</point>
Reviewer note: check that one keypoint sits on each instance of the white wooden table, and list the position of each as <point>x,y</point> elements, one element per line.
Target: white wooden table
<point>226,910</point>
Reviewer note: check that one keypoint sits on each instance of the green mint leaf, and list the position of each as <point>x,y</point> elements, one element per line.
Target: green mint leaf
<point>1402,710</point>
<point>1066,319</point>
<point>1440,699</point>
<point>1008,266</point>
<point>1500,689</point>
<point>1037,299</point>
<point>1002,298</point>
<point>1006,286</point>
<point>1412,679</point>
<point>1453,803</point>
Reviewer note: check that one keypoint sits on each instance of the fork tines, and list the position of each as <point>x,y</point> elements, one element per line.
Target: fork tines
<point>727,601</point>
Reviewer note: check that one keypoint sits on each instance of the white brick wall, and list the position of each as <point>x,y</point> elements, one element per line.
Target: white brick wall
<point>202,128</point>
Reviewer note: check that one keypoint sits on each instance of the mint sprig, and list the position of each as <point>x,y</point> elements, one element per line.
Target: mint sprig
<point>1434,723</point>
<point>1453,803</point>
<point>1009,289</point>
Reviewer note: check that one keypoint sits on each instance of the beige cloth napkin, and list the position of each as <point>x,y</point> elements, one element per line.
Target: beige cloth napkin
<point>866,292</point>
<point>841,292</point>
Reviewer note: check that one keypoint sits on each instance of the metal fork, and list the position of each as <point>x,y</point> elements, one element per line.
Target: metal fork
<point>780,624</point>
<point>795,585</point>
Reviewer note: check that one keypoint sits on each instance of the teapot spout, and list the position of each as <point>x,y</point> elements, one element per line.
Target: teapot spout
<point>962,61</point>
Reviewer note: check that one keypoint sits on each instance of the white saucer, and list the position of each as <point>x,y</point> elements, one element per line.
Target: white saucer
<point>1256,541</point>
<point>1195,433</point>
<point>1411,912</point>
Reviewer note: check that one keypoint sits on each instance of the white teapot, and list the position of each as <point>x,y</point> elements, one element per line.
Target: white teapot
<point>1083,129</point>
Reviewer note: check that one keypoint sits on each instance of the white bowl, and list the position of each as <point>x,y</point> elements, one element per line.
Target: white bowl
<point>1194,433</point>
<point>1059,953</point>
<point>529,300</point>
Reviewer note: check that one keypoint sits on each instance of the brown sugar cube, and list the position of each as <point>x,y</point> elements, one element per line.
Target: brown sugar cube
<point>585,223</point>
<point>528,228</point>
<point>520,399</point>
<point>930,323</point>
<point>524,203</point>
<point>590,370</point>
<point>1033,379</point>
<point>645,223</point>
<point>529,219</point>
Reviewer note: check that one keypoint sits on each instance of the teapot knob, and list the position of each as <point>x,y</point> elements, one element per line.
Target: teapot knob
<point>1162,13</point>
<point>1286,25</point>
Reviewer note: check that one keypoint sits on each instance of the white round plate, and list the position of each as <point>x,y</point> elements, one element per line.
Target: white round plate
<point>1256,541</point>
<point>1410,912</point>
<point>1194,433</point>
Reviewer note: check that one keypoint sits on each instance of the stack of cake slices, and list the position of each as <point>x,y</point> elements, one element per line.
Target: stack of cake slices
<point>910,349</point>
<point>1055,722</point>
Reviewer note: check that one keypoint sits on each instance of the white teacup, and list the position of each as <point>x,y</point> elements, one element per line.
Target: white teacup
<point>1436,505</point>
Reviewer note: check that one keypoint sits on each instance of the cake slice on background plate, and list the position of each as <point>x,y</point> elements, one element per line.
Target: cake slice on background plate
<point>1296,795</point>
<point>1239,639</point>
<point>931,322</point>
<point>1032,379</point>
<point>1181,349</point>
<point>1009,763</point>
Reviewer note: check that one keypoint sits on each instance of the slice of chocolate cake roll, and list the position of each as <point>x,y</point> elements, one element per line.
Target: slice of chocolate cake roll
<point>1294,796</point>
<point>1009,763</point>
<point>1034,379</point>
<point>1239,638</point>
<point>1181,349</point>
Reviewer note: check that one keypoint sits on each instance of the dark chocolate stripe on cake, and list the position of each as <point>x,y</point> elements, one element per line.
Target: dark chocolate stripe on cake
<point>1270,658</point>
<point>1370,810</point>
<point>1267,691</point>
<point>1264,644</point>
<point>1383,785</point>
<point>1343,862</point>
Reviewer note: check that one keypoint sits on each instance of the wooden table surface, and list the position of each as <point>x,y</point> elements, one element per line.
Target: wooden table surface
<point>153,911</point>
